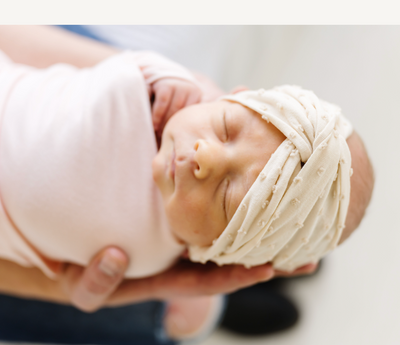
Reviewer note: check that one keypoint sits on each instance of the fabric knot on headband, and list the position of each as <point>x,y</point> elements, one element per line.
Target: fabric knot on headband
<point>295,211</point>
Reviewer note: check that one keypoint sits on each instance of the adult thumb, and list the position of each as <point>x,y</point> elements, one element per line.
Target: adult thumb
<point>98,280</point>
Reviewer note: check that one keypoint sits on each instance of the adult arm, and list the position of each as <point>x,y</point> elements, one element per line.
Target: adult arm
<point>95,286</point>
<point>76,285</point>
<point>43,46</point>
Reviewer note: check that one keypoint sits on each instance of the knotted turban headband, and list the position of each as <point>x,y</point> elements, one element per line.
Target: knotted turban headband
<point>295,211</point>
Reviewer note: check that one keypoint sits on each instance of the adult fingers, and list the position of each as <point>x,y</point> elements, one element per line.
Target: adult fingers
<point>90,287</point>
<point>306,269</point>
<point>230,278</point>
<point>190,279</point>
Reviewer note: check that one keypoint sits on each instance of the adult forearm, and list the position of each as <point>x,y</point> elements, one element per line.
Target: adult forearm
<point>86,288</point>
<point>43,46</point>
<point>28,283</point>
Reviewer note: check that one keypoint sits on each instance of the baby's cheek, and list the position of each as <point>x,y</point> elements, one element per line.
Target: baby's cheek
<point>193,218</point>
<point>189,221</point>
<point>181,216</point>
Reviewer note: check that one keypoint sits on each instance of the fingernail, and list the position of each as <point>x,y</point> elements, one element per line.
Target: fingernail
<point>270,273</point>
<point>109,267</point>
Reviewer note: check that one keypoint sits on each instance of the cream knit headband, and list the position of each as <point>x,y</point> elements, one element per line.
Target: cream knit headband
<point>292,215</point>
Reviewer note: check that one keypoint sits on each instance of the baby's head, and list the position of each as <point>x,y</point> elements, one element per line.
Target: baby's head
<point>229,205</point>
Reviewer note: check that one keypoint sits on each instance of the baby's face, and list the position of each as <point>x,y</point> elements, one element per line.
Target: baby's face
<point>209,157</point>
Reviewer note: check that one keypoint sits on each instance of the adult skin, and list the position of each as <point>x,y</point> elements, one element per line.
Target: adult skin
<point>101,283</point>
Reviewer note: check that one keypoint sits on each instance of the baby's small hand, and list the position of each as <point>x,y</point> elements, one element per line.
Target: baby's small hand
<point>171,95</point>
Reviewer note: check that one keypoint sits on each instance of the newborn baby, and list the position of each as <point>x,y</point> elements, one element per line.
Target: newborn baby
<point>255,177</point>
<point>215,161</point>
<point>76,175</point>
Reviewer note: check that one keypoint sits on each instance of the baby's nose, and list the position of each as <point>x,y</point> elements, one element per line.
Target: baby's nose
<point>208,159</point>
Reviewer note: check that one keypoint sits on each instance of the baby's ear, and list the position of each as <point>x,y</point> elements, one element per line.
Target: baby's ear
<point>239,89</point>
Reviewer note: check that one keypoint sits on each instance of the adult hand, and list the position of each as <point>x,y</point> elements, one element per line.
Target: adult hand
<point>189,279</point>
<point>101,283</point>
<point>89,288</point>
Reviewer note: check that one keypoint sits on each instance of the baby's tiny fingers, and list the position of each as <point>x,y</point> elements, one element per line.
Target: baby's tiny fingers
<point>177,103</point>
<point>162,101</point>
<point>194,97</point>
